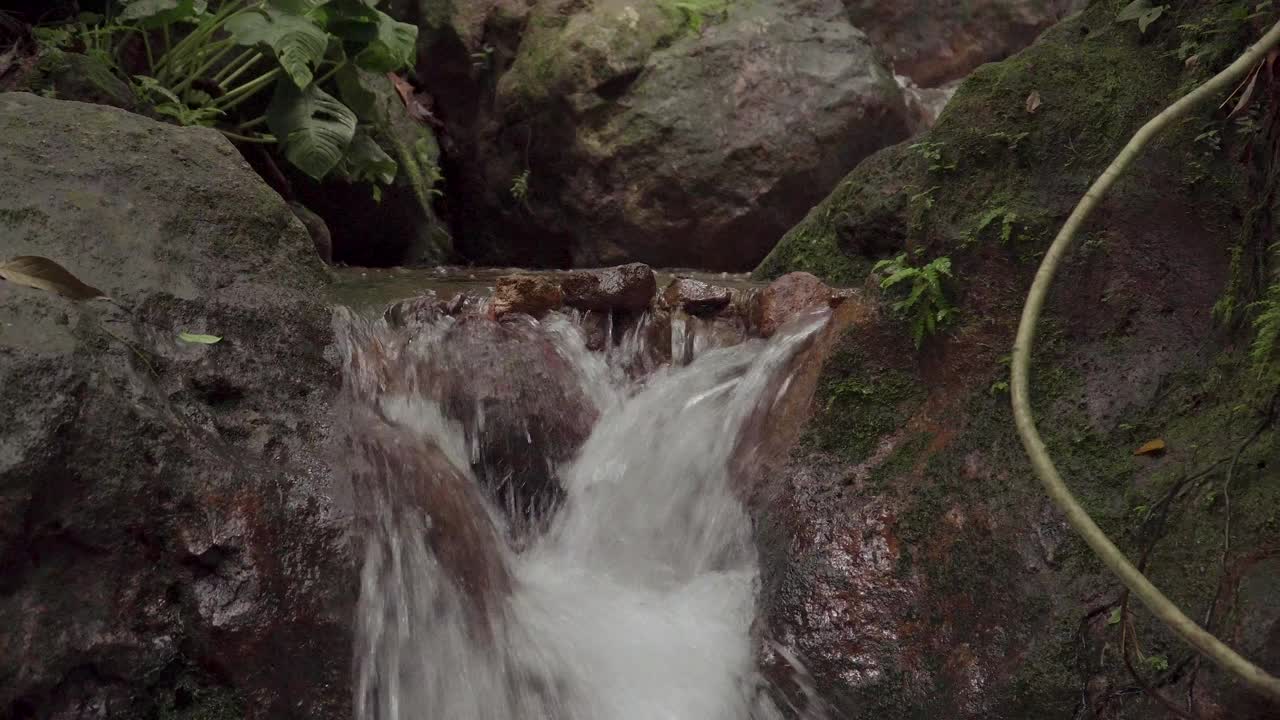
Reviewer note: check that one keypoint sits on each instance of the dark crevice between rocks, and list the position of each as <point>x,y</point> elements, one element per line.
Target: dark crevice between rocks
<point>211,560</point>
<point>217,392</point>
<point>614,88</point>
<point>363,231</point>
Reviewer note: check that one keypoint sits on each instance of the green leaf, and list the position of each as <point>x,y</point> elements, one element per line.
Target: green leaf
<point>195,339</point>
<point>1115,617</point>
<point>1143,12</point>
<point>151,89</point>
<point>368,94</point>
<point>366,161</point>
<point>313,127</point>
<point>897,277</point>
<point>393,47</point>
<point>1149,17</point>
<point>154,13</point>
<point>377,41</point>
<point>297,7</point>
<point>52,38</point>
<point>1134,10</point>
<point>297,42</point>
<point>1006,227</point>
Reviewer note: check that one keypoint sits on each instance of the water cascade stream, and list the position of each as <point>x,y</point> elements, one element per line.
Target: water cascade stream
<point>632,598</point>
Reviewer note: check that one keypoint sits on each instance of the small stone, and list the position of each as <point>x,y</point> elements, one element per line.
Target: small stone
<point>696,297</point>
<point>533,295</point>
<point>788,297</point>
<point>625,287</point>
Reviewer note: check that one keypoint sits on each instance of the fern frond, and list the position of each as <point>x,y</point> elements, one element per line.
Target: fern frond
<point>1266,327</point>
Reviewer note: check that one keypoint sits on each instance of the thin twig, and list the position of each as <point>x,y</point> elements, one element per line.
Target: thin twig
<point>1231,471</point>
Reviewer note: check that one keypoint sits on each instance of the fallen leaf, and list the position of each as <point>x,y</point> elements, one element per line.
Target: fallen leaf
<point>44,274</point>
<point>408,95</point>
<point>199,339</point>
<point>1151,447</point>
<point>1033,101</point>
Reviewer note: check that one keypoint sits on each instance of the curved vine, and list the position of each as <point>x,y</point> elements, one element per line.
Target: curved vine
<point>1143,589</point>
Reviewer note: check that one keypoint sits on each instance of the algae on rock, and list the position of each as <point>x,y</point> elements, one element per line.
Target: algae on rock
<point>990,589</point>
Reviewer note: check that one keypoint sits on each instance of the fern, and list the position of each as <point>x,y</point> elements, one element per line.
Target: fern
<point>1266,327</point>
<point>925,306</point>
<point>520,187</point>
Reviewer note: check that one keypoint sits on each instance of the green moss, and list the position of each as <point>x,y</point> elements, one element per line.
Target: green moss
<point>692,15</point>
<point>562,56</point>
<point>1097,82</point>
<point>990,158</point>
<point>860,222</point>
<point>811,247</point>
<point>902,461</point>
<point>21,216</point>
<point>861,399</point>
<point>1047,682</point>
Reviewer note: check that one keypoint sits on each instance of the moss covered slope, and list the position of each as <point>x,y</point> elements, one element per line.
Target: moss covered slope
<point>966,593</point>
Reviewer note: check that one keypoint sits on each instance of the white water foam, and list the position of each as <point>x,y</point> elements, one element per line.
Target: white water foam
<point>635,604</point>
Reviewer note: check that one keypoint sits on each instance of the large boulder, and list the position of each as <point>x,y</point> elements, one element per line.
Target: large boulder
<point>936,41</point>
<point>168,546</point>
<point>910,559</point>
<point>619,131</point>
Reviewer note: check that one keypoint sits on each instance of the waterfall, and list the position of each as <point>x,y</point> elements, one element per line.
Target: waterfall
<point>623,589</point>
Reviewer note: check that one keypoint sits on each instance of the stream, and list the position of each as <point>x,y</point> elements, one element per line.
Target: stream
<point>625,592</point>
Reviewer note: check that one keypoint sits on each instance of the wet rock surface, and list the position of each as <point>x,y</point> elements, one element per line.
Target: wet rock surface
<point>787,297</point>
<point>638,138</point>
<point>625,287</point>
<point>521,406</point>
<point>696,297</point>
<point>529,294</point>
<point>168,543</point>
<point>909,557</point>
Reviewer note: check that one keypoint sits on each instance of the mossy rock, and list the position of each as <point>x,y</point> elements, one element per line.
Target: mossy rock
<point>994,608</point>
<point>75,76</point>
<point>1091,81</point>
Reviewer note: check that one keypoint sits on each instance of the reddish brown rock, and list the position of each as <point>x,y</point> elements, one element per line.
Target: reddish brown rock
<point>520,405</point>
<point>789,296</point>
<point>529,294</point>
<point>625,287</point>
<point>696,297</point>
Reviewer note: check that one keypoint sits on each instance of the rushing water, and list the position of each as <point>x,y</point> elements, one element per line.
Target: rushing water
<point>635,598</point>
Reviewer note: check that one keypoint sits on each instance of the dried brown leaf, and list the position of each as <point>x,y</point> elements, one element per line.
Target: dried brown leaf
<point>417,109</point>
<point>44,274</point>
<point>1033,101</point>
<point>1151,447</point>
<point>1247,95</point>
